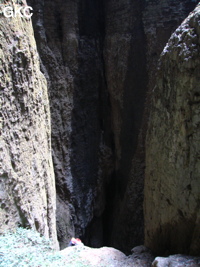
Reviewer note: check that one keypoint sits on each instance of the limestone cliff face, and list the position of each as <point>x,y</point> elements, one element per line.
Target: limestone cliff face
<point>172,189</point>
<point>27,188</point>
<point>69,36</point>
<point>160,19</point>
<point>136,33</point>
<point>99,58</point>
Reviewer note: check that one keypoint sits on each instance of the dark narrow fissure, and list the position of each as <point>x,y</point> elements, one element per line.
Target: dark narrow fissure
<point>99,172</point>
<point>90,119</point>
<point>110,204</point>
<point>103,228</point>
<point>92,173</point>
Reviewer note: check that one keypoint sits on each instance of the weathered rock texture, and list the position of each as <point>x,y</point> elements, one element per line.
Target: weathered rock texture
<point>136,33</point>
<point>176,261</point>
<point>106,256</point>
<point>27,188</point>
<point>69,36</point>
<point>126,76</point>
<point>172,187</point>
<point>160,19</point>
<point>99,58</point>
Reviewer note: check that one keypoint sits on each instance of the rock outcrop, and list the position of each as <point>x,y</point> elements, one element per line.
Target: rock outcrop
<point>107,256</point>
<point>27,187</point>
<point>172,186</point>
<point>176,260</point>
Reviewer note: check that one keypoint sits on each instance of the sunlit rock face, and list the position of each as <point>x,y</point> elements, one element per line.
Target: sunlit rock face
<point>172,186</point>
<point>27,183</point>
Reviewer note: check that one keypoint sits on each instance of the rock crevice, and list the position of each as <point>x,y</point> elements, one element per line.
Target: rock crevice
<point>86,106</point>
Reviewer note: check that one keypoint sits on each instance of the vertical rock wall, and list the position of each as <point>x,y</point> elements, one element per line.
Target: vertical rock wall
<point>69,36</point>
<point>160,19</point>
<point>126,76</point>
<point>100,58</point>
<point>172,194</point>
<point>136,33</point>
<point>27,186</point>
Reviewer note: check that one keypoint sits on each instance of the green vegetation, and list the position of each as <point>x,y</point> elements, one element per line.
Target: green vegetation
<point>25,247</point>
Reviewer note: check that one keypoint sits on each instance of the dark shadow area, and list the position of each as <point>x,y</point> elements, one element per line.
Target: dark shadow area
<point>69,47</point>
<point>108,220</point>
<point>169,238</point>
<point>135,89</point>
<point>90,116</point>
<point>123,216</point>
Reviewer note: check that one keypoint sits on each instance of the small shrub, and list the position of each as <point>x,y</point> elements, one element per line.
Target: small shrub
<point>27,248</point>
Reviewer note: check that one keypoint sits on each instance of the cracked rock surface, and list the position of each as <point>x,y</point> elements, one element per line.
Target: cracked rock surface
<point>27,187</point>
<point>172,186</point>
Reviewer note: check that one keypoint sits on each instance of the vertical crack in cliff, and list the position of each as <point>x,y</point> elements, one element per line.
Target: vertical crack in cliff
<point>99,58</point>
<point>89,116</point>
